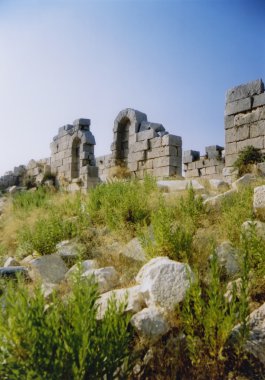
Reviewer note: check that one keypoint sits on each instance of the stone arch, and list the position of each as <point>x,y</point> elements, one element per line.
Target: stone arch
<point>75,167</point>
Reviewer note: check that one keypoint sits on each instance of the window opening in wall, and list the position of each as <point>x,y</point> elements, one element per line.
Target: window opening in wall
<point>123,139</point>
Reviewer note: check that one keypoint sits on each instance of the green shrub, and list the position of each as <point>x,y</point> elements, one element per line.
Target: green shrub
<point>62,341</point>
<point>207,320</point>
<point>45,234</point>
<point>246,158</point>
<point>29,200</point>
<point>122,205</point>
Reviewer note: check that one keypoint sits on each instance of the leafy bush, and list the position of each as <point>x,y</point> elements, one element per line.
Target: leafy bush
<point>246,158</point>
<point>62,341</point>
<point>29,200</point>
<point>45,234</point>
<point>122,205</point>
<point>207,320</point>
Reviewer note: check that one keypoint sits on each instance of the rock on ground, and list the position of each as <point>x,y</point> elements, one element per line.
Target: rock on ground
<point>134,250</point>
<point>107,278</point>
<point>259,202</point>
<point>218,184</point>
<point>227,259</point>
<point>11,262</point>
<point>214,202</point>
<point>14,272</point>
<point>245,180</point>
<point>164,282</point>
<point>82,267</point>
<point>256,225</point>
<point>255,344</point>
<point>150,324</point>
<point>179,185</point>
<point>48,269</point>
<point>131,296</point>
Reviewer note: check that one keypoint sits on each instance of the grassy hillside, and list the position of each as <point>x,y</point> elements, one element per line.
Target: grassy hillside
<point>177,225</point>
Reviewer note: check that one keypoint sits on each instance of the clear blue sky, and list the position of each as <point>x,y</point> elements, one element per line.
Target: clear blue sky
<point>173,60</point>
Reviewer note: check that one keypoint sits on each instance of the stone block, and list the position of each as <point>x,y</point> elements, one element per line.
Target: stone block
<point>139,146</point>
<point>230,159</point>
<point>190,156</point>
<point>155,143</point>
<point>146,135</point>
<point>165,171</point>
<point>210,170</point>
<point>92,171</point>
<point>171,140</point>
<point>132,166</point>
<point>148,164</point>
<point>250,117</point>
<point>257,142</point>
<point>255,87</point>
<point>193,173</point>
<point>192,165</point>
<point>139,156</point>
<point>230,135</point>
<point>82,122</point>
<point>146,125</point>
<point>258,100</point>
<point>231,148</point>
<point>238,106</point>
<point>166,161</point>
<point>242,133</point>
<point>229,121</point>
<point>257,129</point>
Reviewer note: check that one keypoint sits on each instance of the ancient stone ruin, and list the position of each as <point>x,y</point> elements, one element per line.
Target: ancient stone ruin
<point>142,147</point>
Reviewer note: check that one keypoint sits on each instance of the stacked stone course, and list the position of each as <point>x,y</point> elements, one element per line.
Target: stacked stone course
<point>208,166</point>
<point>244,120</point>
<point>142,147</point>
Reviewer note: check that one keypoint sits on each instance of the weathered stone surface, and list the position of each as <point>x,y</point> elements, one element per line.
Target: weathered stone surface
<point>82,267</point>
<point>150,324</point>
<point>164,282</point>
<point>245,180</point>
<point>179,185</point>
<point>231,148</point>
<point>13,272</point>
<point>11,262</point>
<point>215,201</point>
<point>257,129</point>
<point>171,140</point>
<point>235,285</point>
<point>68,249</point>
<point>258,100</point>
<point>245,90</point>
<point>80,122</point>
<point>131,296</point>
<point>238,106</point>
<point>48,289</point>
<point>250,117</point>
<point>227,257</point>
<point>190,156</point>
<point>230,159</point>
<point>257,142</point>
<point>218,184</point>
<point>254,226</point>
<point>255,343</point>
<point>134,250</point>
<point>107,278</point>
<point>259,202</point>
<point>146,135</point>
<point>229,122</point>
<point>48,269</point>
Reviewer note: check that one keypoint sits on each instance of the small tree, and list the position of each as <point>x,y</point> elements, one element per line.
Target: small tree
<point>247,157</point>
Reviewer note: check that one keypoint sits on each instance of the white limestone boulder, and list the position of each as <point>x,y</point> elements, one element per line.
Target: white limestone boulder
<point>254,226</point>
<point>215,202</point>
<point>164,282</point>
<point>48,269</point>
<point>130,296</point>
<point>179,185</point>
<point>107,278</point>
<point>227,257</point>
<point>259,202</point>
<point>150,324</point>
<point>218,184</point>
<point>255,343</point>
<point>82,267</point>
<point>11,262</point>
<point>134,250</point>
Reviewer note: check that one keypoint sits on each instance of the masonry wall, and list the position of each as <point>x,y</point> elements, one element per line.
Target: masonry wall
<point>142,147</point>
<point>244,120</point>
<point>208,166</point>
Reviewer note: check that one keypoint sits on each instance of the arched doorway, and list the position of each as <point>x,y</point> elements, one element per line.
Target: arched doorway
<point>123,139</point>
<point>75,169</point>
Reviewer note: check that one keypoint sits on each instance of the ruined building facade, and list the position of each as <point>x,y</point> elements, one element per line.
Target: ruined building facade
<point>141,146</point>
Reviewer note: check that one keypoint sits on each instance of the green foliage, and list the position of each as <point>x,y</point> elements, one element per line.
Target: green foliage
<point>172,228</point>
<point>45,234</point>
<point>62,341</point>
<point>207,319</point>
<point>235,210</point>
<point>29,200</point>
<point>246,158</point>
<point>122,205</point>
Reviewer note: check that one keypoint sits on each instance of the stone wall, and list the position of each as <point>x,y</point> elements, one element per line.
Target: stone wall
<point>208,166</point>
<point>72,156</point>
<point>141,147</point>
<point>244,120</point>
